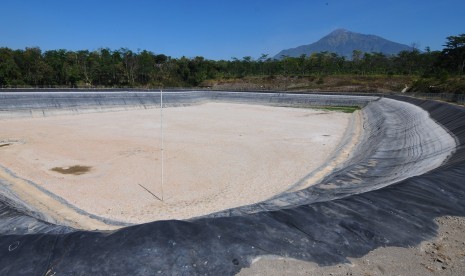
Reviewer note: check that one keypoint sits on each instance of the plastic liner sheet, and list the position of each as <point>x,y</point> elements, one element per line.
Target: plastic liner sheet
<point>37,104</point>
<point>383,209</point>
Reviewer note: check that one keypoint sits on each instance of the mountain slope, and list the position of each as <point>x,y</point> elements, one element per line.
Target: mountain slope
<point>344,42</point>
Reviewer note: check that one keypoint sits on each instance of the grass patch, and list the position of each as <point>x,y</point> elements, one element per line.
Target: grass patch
<point>344,109</point>
<point>75,170</point>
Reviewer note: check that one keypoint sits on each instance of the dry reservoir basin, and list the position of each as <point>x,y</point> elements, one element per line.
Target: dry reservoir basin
<point>245,175</point>
<point>216,156</point>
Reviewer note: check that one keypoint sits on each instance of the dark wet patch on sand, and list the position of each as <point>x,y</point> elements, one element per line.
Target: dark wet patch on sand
<point>75,170</point>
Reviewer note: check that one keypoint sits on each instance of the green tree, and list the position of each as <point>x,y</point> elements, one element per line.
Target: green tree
<point>146,67</point>
<point>454,53</point>
<point>10,73</point>
<point>36,71</point>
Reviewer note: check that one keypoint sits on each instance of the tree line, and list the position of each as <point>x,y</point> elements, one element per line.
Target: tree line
<point>126,68</point>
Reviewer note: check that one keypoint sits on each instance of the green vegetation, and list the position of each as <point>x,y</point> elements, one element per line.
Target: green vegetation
<point>330,83</point>
<point>427,71</point>
<point>454,84</point>
<point>344,109</point>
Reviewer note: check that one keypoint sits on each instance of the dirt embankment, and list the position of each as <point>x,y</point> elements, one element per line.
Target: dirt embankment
<point>333,83</point>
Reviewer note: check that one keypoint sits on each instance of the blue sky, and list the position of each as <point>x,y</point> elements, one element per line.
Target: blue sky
<point>220,29</point>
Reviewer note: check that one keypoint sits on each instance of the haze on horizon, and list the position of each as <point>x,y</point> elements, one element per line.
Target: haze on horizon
<point>220,29</point>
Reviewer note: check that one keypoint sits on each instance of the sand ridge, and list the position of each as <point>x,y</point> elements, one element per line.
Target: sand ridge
<point>217,156</point>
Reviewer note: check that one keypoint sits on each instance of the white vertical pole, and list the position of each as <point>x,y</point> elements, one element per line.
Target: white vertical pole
<point>161,131</point>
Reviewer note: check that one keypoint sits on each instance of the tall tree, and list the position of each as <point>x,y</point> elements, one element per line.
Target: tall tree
<point>454,53</point>
<point>10,73</point>
<point>37,72</point>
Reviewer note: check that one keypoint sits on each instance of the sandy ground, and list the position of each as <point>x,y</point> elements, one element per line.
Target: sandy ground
<point>444,255</point>
<point>217,156</point>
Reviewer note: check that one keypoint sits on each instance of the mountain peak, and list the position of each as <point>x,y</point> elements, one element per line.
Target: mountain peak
<point>339,31</point>
<point>344,42</point>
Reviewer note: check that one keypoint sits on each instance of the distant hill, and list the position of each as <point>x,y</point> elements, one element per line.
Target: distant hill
<point>344,42</point>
